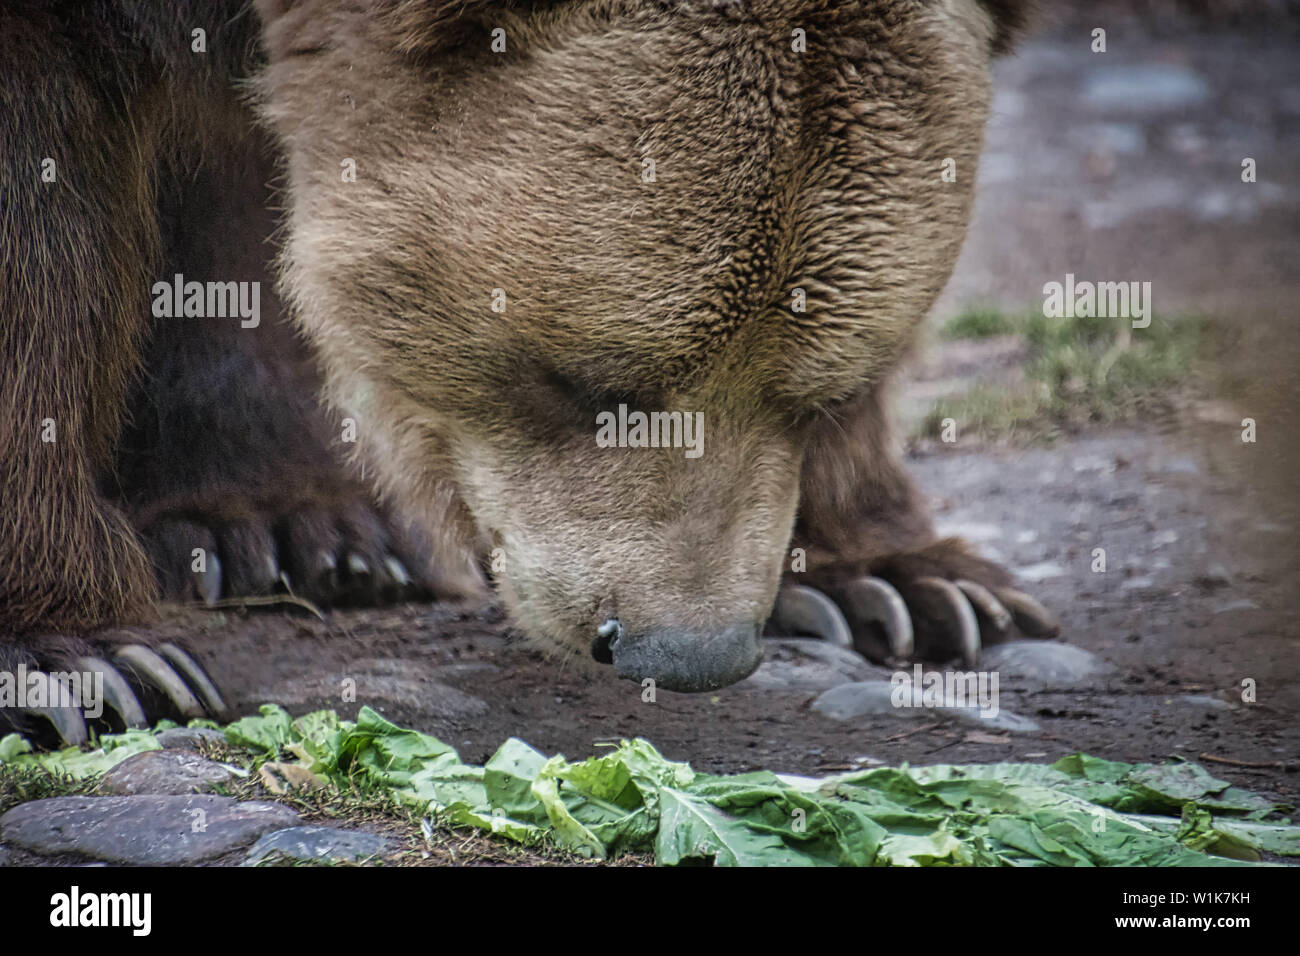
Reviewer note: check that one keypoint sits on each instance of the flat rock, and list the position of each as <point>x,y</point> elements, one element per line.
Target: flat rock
<point>189,738</point>
<point>1042,571</point>
<point>1204,702</point>
<point>808,664</point>
<point>142,830</point>
<point>316,845</point>
<point>1042,664</point>
<point>877,697</point>
<point>1242,604</point>
<point>165,771</point>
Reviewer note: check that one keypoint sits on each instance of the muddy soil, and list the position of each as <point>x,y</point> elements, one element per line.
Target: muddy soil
<point>1188,608</point>
<point>1082,174</point>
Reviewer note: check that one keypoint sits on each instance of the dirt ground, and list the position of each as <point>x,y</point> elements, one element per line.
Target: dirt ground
<point>1080,175</point>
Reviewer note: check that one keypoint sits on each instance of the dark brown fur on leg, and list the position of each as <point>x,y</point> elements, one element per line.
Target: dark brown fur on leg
<point>861,516</point>
<point>228,449</point>
<point>77,255</point>
<point>188,432</point>
<point>860,513</point>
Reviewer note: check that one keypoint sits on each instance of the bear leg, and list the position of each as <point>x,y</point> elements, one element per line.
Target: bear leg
<point>875,574</point>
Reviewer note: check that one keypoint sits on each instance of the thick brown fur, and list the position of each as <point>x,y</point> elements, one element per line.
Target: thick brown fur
<point>521,171</point>
<point>167,434</point>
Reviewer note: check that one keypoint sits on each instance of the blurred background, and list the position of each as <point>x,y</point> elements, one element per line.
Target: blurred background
<point>1127,166</point>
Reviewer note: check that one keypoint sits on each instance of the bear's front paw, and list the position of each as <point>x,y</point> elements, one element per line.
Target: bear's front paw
<point>335,549</point>
<point>935,603</point>
<point>66,689</point>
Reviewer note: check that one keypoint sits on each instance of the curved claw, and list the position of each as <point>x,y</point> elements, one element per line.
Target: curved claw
<point>326,573</point>
<point>1031,617</point>
<point>359,567</point>
<point>67,720</point>
<point>968,628</point>
<point>874,600</point>
<point>198,680</point>
<point>117,692</point>
<point>801,609</point>
<point>982,599</point>
<point>209,582</point>
<point>398,571</point>
<point>159,673</point>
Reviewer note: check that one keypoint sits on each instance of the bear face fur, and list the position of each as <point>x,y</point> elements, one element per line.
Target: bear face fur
<point>519,177</point>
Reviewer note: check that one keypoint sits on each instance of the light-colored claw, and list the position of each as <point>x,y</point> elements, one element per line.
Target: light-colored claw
<point>1031,617</point>
<point>117,692</point>
<point>198,679</point>
<point>358,566</point>
<point>871,599</point>
<point>982,599</point>
<point>209,582</point>
<point>968,628</point>
<point>67,720</point>
<point>398,571</point>
<point>804,610</point>
<point>159,673</point>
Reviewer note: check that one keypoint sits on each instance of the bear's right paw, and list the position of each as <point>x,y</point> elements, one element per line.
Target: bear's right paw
<point>934,603</point>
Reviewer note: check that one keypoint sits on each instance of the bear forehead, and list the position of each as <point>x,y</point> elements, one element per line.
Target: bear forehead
<point>781,228</point>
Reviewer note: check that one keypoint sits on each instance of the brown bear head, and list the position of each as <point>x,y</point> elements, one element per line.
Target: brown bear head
<point>511,224</point>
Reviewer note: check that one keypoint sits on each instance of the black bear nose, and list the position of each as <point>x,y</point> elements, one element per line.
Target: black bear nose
<point>682,660</point>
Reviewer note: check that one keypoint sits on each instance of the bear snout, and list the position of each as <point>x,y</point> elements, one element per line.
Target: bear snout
<point>680,660</point>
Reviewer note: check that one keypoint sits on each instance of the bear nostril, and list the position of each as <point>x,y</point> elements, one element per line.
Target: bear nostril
<point>607,635</point>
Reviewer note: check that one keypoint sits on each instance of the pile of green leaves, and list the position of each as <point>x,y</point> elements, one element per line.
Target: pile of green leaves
<point>1079,811</point>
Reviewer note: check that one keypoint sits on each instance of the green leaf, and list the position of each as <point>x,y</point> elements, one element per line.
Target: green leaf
<point>264,735</point>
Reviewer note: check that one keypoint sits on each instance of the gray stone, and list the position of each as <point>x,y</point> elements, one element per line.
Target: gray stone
<point>1143,582</point>
<point>142,830</point>
<point>1042,571</point>
<point>866,698</point>
<point>316,844</point>
<point>190,738</point>
<point>1179,465</point>
<point>4,856</point>
<point>165,771</point>
<point>1041,664</point>
<point>1126,139</point>
<point>861,699</point>
<point>1203,702</point>
<point>807,664</point>
<point>1145,88</point>
<point>1243,604</point>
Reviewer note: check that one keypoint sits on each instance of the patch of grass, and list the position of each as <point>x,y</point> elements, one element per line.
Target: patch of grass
<point>23,784</point>
<point>980,324</point>
<point>1080,371</point>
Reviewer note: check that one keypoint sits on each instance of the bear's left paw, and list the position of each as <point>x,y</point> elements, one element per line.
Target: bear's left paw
<point>934,603</point>
<point>73,688</point>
